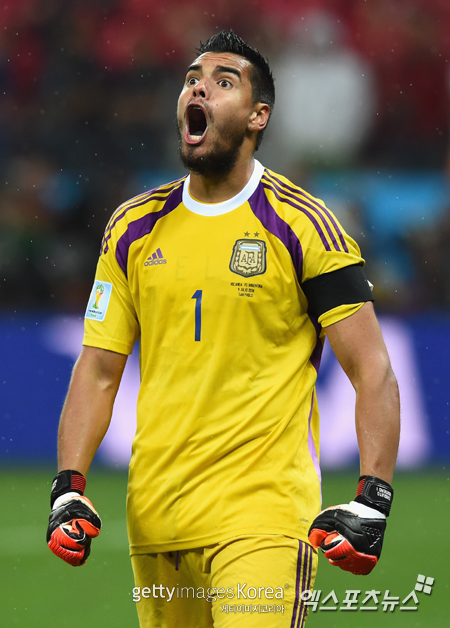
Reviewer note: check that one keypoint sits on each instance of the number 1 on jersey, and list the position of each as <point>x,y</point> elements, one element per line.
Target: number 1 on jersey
<point>198,313</point>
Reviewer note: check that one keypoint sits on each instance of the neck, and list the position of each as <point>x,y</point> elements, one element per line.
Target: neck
<point>216,189</point>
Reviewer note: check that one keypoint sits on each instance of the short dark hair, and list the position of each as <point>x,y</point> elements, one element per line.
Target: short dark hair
<point>263,87</point>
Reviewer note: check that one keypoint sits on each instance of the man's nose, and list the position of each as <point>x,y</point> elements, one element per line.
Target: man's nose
<point>201,90</point>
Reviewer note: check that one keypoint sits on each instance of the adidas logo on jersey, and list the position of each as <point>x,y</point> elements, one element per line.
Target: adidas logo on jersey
<point>156,258</point>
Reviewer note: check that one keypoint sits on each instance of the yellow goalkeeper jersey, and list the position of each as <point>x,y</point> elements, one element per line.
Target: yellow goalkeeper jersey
<point>227,435</point>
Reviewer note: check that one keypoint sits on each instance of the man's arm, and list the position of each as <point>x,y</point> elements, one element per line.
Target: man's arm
<point>351,535</point>
<point>88,407</point>
<point>359,346</point>
<point>86,415</point>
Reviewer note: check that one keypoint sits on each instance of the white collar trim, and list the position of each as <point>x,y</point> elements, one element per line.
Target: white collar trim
<point>216,209</point>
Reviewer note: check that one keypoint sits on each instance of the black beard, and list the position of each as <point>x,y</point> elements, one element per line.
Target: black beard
<point>220,160</point>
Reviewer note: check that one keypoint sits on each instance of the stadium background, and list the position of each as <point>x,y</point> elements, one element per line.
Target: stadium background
<point>87,105</point>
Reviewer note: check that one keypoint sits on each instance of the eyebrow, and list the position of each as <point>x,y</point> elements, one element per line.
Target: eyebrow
<point>221,68</point>
<point>225,68</point>
<point>194,68</point>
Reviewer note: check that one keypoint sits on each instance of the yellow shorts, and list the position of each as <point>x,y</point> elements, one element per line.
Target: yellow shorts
<point>250,581</point>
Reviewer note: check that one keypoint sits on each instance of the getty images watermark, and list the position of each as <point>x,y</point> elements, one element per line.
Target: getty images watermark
<point>354,599</point>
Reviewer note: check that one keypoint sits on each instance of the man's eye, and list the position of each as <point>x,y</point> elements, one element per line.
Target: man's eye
<point>224,83</point>
<point>192,80</point>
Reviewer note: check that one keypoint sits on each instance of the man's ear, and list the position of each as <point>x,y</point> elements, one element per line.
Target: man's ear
<point>259,117</point>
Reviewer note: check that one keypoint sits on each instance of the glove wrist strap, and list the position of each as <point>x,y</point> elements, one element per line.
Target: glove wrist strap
<point>67,481</point>
<point>375,493</point>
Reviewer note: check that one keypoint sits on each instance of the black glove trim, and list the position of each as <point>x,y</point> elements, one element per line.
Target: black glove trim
<point>365,535</point>
<point>375,493</point>
<point>67,481</point>
<point>74,509</point>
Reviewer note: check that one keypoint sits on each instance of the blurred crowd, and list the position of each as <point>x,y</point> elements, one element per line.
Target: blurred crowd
<point>88,92</point>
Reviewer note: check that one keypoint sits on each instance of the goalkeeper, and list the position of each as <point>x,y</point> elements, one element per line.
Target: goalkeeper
<point>231,278</point>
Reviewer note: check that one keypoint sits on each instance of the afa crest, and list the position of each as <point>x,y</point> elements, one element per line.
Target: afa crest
<point>249,258</point>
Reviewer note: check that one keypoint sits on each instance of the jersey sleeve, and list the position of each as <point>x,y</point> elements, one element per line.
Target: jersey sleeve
<point>331,293</point>
<point>332,270</point>
<point>323,256</point>
<point>110,321</point>
<point>339,313</point>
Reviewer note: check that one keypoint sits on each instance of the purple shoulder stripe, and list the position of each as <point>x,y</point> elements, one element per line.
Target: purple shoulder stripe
<point>157,194</point>
<point>271,221</point>
<point>270,186</point>
<point>143,226</point>
<point>264,211</point>
<point>295,193</point>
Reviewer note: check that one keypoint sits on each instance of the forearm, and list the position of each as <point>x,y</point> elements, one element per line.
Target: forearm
<point>84,421</point>
<point>88,407</point>
<point>360,349</point>
<point>377,417</point>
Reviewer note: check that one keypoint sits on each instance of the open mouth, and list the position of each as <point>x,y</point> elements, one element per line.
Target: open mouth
<point>196,124</point>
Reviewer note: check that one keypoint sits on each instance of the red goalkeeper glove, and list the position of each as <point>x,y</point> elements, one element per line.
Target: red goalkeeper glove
<point>351,535</point>
<point>73,522</point>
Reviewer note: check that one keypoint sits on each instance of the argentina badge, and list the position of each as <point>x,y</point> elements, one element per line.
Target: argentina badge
<point>249,258</point>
